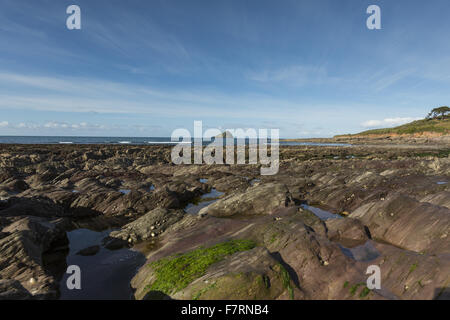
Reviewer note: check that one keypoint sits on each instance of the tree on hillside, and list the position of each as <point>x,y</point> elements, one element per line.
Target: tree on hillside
<point>439,113</point>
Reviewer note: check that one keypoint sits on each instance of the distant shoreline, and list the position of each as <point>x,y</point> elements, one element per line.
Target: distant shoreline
<point>338,141</point>
<point>75,140</point>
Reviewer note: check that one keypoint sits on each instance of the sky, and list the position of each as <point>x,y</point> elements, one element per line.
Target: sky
<point>310,68</point>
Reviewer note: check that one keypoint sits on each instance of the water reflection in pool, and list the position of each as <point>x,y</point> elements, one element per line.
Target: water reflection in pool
<point>105,275</point>
<point>364,252</point>
<point>321,214</point>
<point>204,201</point>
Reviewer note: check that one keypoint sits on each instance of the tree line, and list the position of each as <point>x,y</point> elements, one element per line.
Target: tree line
<point>439,113</point>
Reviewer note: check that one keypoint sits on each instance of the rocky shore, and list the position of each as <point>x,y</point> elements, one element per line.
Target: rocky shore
<point>224,231</point>
<point>389,140</point>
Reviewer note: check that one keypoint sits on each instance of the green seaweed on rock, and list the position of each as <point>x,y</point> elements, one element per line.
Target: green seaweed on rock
<point>175,273</point>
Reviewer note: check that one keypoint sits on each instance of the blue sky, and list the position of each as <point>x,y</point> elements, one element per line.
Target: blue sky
<point>144,68</point>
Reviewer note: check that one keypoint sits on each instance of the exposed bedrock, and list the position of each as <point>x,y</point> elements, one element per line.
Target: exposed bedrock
<point>256,200</point>
<point>407,223</point>
<point>387,206</point>
<point>23,245</point>
<point>315,256</point>
<point>148,226</point>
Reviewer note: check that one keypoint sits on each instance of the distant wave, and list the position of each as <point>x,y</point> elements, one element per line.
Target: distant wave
<point>136,141</point>
<point>168,142</point>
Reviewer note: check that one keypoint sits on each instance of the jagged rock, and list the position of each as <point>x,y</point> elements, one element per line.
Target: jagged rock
<point>13,290</point>
<point>149,225</point>
<point>22,250</point>
<point>261,199</point>
<point>391,193</point>
<point>35,206</point>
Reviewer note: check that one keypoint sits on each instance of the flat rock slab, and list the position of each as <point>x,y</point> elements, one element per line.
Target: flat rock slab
<point>256,200</point>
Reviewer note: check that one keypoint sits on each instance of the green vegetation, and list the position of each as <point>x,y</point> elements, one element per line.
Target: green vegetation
<point>413,267</point>
<point>274,237</point>
<point>439,113</point>
<point>364,292</point>
<point>437,121</point>
<point>177,272</point>
<point>437,154</point>
<point>443,289</point>
<point>286,280</point>
<point>203,291</point>
<point>427,125</point>
<point>355,287</point>
<point>266,281</point>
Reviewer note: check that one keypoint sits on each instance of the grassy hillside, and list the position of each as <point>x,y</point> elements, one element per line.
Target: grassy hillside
<point>415,127</point>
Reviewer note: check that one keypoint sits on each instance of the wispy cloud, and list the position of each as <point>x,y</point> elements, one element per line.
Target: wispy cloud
<point>295,75</point>
<point>87,95</point>
<point>388,122</point>
<point>141,63</point>
<point>53,125</point>
<point>390,79</point>
<point>112,32</point>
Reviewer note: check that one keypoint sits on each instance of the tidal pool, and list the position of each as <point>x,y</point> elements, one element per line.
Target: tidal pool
<point>105,275</point>
<point>364,252</point>
<point>204,201</point>
<point>321,214</point>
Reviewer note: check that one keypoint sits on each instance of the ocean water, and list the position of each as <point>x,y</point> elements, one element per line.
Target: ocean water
<point>127,141</point>
<point>83,140</point>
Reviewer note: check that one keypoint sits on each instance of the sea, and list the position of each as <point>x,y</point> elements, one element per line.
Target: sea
<point>129,141</point>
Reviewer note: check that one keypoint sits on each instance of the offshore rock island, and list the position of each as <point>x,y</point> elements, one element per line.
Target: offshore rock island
<point>141,227</point>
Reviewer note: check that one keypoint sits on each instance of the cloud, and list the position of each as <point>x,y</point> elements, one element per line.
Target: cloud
<point>146,37</point>
<point>71,94</point>
<point>391,79</point>
<point>295,75</point>
<point>52,125</point>
<point>73,126</point>
<point>388,122</point>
